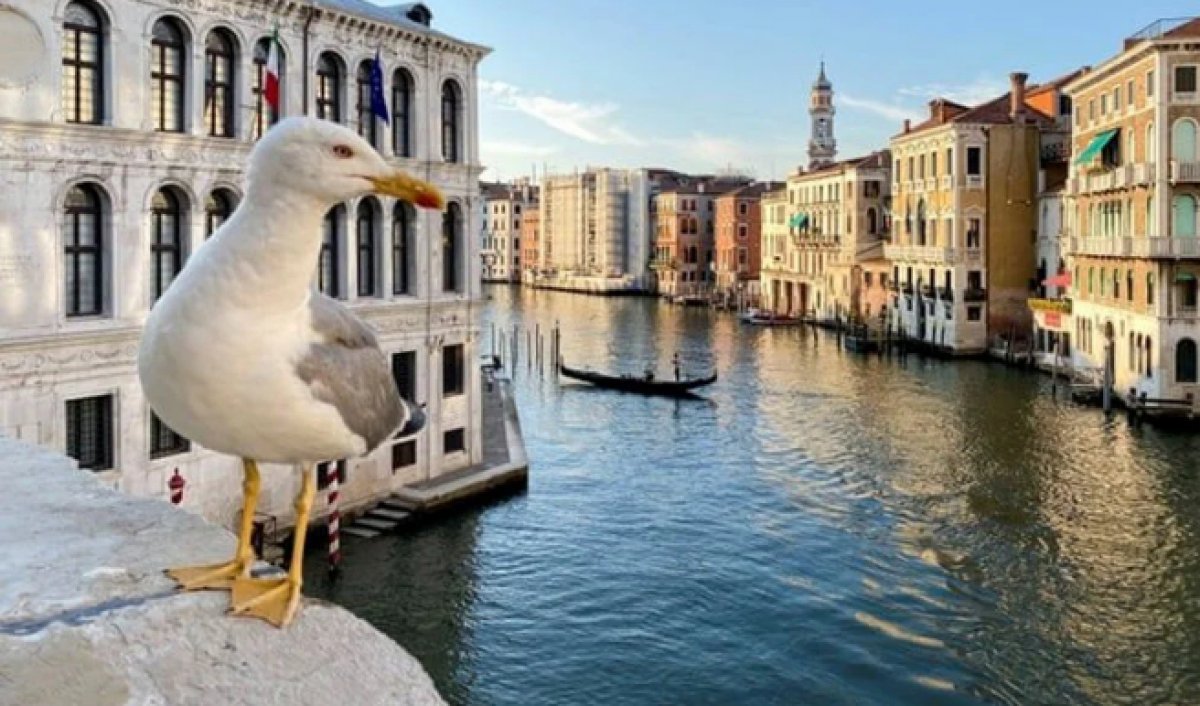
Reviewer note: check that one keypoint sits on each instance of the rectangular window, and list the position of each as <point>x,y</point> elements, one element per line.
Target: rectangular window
<point>974,313</point>
<point>164,441</point>
<point>974,161</point>
<point>90,432</point>
<point>1103,105</point>
<point>975,280</point>
<point>1130,95</point>
<point>404,454</point>
<point>974,226</point>
<point>933,164</point>
<point>454,441</point>
<point>453,370</point>
<point>1117,98</point>
<point>950,162</point>
<point>1150,83</point>
<point>743,230</point>
<point>1091,110</point>
<point>1185,79</point>
<point>404,373</point>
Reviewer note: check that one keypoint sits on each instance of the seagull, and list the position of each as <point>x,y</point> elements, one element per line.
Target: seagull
<point>243,356</point>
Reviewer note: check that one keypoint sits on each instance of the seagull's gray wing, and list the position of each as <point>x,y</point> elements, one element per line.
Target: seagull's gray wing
<point>347,369</point>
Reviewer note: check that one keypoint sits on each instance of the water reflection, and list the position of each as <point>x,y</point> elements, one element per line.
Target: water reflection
<point>826,528</point>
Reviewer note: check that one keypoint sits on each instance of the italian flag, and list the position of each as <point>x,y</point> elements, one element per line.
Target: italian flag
<point>271,89</point>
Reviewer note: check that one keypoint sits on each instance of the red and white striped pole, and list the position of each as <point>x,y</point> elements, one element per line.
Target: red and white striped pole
<point>335,518</point>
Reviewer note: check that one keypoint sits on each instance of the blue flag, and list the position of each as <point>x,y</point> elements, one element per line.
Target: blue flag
<point>378,102</point>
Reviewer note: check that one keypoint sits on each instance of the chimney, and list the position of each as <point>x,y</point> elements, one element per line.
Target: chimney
<point>907,125</point>
<point>1017,109</point>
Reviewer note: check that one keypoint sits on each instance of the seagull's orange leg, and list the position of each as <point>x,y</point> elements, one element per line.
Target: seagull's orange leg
<point>276,600</point>
<point>221,576</point>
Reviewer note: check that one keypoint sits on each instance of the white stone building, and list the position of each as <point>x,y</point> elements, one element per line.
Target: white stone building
<point>504,207</point>
<point>124,129</point>
<point>596,230</point>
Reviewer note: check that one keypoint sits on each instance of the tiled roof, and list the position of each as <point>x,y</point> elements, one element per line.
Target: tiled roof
<point>993,112</point>
<point>869,161</point>
<point>755,190</point>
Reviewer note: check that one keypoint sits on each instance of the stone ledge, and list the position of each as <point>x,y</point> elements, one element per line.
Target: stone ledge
<point>86,615</point>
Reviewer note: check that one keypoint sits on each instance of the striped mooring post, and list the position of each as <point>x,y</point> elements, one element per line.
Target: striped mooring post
<point>335,519</point>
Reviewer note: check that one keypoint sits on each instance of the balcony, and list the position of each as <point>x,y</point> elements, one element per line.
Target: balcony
<point>947,182</point>
<point>928,291</point>
<point>974,181</point>
<point>1185,172</point>
<point>974,294</point>
<point>946,294</point>
<point>1122,177</point>
<point>920,253</point>
<point>1102,247</point>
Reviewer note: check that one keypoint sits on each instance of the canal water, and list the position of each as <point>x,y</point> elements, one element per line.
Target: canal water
<point>821,528</point>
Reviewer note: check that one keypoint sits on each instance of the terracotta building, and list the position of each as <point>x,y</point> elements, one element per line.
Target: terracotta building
<point>738,241</point>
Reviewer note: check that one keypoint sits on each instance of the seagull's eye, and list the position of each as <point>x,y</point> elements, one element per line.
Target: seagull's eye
<point>342,152</point>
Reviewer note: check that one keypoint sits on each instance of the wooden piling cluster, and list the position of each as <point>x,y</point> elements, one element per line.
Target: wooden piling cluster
<point>541,350</point>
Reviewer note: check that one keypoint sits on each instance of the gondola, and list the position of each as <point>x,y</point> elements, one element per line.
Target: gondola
<point>640,385</point>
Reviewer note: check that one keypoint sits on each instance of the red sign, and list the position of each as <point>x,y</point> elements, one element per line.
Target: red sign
<point>1053,319</point>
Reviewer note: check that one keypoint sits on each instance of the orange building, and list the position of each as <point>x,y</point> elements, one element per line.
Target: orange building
<point>531,232</point>
<point>738,241</point>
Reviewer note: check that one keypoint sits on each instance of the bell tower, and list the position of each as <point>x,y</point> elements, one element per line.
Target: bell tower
<point>822,148</point>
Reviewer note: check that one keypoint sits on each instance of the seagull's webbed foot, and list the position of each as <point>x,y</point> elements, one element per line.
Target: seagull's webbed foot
<point>274,600</point>
<point>210,576</point>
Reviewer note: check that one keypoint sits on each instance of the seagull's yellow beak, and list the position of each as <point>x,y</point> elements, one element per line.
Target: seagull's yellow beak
<point>402,186</point>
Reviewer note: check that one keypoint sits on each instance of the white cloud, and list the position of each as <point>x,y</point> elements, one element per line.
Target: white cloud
<point>974,92</point>
<point>516,148</point>
<point>891,111</point>
<point>589,122</point>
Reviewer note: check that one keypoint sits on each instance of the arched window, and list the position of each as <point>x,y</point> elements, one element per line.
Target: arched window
<point>83,63</point>
<point>367,127</point>
<point>402,227</point>
<point>167,213</point>
<point>451,116</point>
<point>1150,288</point>
<point>368,250</point>
<point>220,58</point>
<point>1091,280</point>
<point>1183,140</point>
<point>921,222</point>
<point>329,265</point>
<point>872,225</point>
<point>1149,358</point>
<point>329,87</point>
<point>217,209</point>
<point>451,240</point>
<point>264,114</point>
<point>168,75</point>
<point>1129,285</point>
<point>1116,286</point>
<point>1185,361</point>
<point>402,113</point>
<point>1183,216</point>
<point>1103,282</point>
<point>83,251</point>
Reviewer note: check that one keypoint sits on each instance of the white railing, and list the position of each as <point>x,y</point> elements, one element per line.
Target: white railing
<point>1143,173</point>
<point>974,181</point>
<point>1185,172</point>
<point>920,253</point>
<point>1114,246</point>
<point>947,182</point>
<point>1166,246</point>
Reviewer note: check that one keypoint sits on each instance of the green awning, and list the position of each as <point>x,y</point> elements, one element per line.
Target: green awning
<point>1098,143</point>
<point>1185,277</point>
<point>798,220</point>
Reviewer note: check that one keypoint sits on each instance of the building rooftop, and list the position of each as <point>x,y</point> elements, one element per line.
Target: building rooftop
<point>415,16</point>
<point>997,111</point>
<point>1166,28</point>
<point>880,158</point>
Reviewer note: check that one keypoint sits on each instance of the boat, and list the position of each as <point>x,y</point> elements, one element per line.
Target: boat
<point>757,317</point>
<point>642,385</point>
<point>860,339</point>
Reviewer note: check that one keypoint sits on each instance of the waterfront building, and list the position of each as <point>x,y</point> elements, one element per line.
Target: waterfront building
<point>685,234</point>
<point>505,206</point>
<point>531,233</point>
<point>595,231</point>
<point>964,196</point>
<point>1051,303</point>
<point>1131,207</point>
<point>739,242</point>
<point>837,218</point>
<point>777,276</point>
<point>125,126</point>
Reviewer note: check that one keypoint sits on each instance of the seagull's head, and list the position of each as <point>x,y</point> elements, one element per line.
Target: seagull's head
<point>332,164</point>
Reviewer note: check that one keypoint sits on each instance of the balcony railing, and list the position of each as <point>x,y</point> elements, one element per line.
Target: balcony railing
<point>1126,246</point>
<point>974,181</point>
<point>946,294</point>
<point>920,253</point>
<point>947,182</point>
<point>928,291</point>
<point>1185,172</point>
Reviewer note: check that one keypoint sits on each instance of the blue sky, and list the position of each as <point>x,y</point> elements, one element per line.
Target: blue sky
<point>699,85</point>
